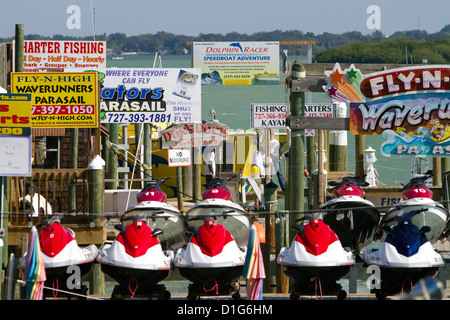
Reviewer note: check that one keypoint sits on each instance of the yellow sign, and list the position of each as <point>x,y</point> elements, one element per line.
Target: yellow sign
<point>15,114</point>
<point>60,99</point>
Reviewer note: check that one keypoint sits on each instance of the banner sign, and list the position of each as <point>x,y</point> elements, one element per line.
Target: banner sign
<point>60,99</point>
<point>157,95</point>
<point>408,106</point>
<point>207,133</point>
<point>15,114</point>
<point>45,54</point>
<point>237,63</point>
<point>268,116</point>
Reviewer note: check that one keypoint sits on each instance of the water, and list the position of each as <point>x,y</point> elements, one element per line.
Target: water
<point>232,106</point>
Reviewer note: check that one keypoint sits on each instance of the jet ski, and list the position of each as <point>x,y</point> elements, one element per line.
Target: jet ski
<point>417,196</point>
<point>405,256</point>
<point>153,208</point>
<point>211,260</point>
<point>353,218</point>
<point>216,200</point>
<point>63,258</point>
<point>137,261</point>
<point>315,260</point>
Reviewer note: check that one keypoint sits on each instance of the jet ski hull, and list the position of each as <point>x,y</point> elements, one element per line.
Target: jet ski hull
<point>354,220</point>
<point>165,217</point>
<point>132,277</point>
<point>237,222</point>
<point>436,216</point>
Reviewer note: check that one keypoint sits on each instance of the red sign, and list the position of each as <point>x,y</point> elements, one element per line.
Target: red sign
<point>406,80</point>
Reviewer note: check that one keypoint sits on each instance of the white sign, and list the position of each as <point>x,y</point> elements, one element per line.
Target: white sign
<point>179,157</point>
<point>323,110</point>
<point>16,156</point>
<point>238,63</point>
<point>159,95</point>
<point>268,115</point>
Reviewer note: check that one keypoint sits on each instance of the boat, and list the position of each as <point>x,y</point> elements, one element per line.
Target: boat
<point>405,256</point>
<point>316,260</point>
<point>353,218</point>
<point>211,260</point>
<point>153,208</point>
<point>117,58</point>
<point>137,261</point>
<point>216,200</point>
<point>417,196</point>
<point>63,258</point>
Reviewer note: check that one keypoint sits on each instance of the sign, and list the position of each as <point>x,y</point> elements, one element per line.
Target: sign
<point>15,114</point>
<point>179,136</point>
<point>409,107</point>
<point>138,95</point>
<point>60,99</point>
<point>15,134</point>
<point>322,110</point>
<point>268,115</point>
<point>16,156</point>
<point>237,63</point>
<point>44,54</point>
<point>179,157</point>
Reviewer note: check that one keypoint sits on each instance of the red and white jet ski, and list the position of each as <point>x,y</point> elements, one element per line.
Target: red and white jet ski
<point>216,200</point>
<point>136,261</point>
<point>153,208</point>
<point>353,218</point>
<point>212,261</point>
<point>417,196</point>
<point>60,251</point>
<point>315,261</point>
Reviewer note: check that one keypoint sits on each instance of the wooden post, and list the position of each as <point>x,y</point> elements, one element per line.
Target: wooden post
<point>197,174</point>
<point>180,191</point>
<point>96,185</point>
<point>111,172</point>
<point>296,154</point>
<point>338,144</point>
<point>147,151</point>
<point>270,195</point>
<point>73,165</point>
<point>359,155</point>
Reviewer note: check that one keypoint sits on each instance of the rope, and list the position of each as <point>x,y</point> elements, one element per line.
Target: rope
<point>318,284</point>
<point>59,290</point>
<point>133,292</point>
<point>55,292</point>
<point>216,286</point>
<point>410,283</point>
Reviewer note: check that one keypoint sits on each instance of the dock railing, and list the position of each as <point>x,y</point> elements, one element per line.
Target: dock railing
<point>62,191</point>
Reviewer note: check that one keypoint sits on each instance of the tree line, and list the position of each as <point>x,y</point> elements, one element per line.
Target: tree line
<point>413,46</point>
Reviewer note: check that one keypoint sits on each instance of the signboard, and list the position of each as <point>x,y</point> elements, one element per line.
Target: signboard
<point>15,134</point>
<point>15,114</point>
<point>44,54</point>
<point>268,115</point>
<point>237,63</point>
<point>138,95</point>
<point>179,157</point>
<point>409,107</point>
<point>179,136</point>
<point>60,99</point>
<point>321,110</point>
